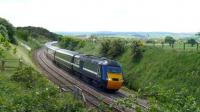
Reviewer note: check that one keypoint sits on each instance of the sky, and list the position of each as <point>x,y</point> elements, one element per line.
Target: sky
<point>104,15</point>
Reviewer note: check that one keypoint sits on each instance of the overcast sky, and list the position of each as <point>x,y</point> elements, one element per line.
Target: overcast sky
<point>104,15</point>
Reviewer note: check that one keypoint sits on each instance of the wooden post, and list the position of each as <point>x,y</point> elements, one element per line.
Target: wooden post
<point>20,63</point>
<point>184,46</point>
<point>162,44</point>
<point>197,46</point>
<point>2,65</point>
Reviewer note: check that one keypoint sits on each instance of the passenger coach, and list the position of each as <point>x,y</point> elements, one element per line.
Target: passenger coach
<point>103,72</point>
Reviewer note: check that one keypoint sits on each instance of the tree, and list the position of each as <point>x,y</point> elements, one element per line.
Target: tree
<point>170,40</point>
<point>137,51</point>
<point>71,43</point>
<point>117,48</point>
<point>23,34</point>
<point>105,47</point>
<point>198,34</point>
<point>192,42</point>
<point>10,29</point>
<point>3,31</point>
<point>37,32</point>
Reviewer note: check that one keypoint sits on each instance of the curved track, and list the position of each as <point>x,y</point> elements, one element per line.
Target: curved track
<point>66,81</point>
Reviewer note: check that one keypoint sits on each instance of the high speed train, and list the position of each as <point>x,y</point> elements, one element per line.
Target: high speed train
<point>103,72</point>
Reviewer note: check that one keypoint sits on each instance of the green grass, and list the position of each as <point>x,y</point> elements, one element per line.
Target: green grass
<point>180,47</point>
<point>16,94</point>
<point>165,68</point>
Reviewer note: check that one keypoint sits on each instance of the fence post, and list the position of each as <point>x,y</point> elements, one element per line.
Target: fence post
<point>20,63</point>
<point>184,46</point>
<point>162,44</point>
<point>2,65</point>
<point>197,46</point>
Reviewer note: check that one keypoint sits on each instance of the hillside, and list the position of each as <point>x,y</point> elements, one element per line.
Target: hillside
<point>36,32</point>
<point>35,36</point>
<point>170,76</point>
<point>139,35</point>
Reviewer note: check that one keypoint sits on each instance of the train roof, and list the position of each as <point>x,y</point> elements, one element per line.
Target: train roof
<point>50,45</point>
<point>98,60</point>
<point>90,58</point>
<point>68,52</point>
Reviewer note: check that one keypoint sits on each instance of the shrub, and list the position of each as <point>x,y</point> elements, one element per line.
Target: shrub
<point>71,43</point>
<point>172,101</point>
<point>117,48</point>
<point>25,75</point>
<point>39,95</point>
<point>137,51</point>
<point>23,34</point>
<point>112,48</point>
<point>105,47</point>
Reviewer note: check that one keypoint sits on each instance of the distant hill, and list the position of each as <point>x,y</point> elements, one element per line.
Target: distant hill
<point>140,35</point>
<point>36,32</point>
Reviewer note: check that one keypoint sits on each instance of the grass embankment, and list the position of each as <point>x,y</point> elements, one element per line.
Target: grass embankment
<point>24,89</point>
<point>159,68</point>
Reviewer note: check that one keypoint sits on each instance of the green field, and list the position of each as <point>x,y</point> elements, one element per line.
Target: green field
<point>177,46</point>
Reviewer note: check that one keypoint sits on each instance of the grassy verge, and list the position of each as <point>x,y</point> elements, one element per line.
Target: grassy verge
<point>24,89</point>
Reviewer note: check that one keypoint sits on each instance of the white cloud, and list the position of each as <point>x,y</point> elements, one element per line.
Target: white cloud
<point>105,15</point>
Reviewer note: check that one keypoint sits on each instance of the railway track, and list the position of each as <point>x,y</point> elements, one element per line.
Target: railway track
<point>63,79</point>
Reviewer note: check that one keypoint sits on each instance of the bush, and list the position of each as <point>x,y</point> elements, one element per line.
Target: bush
<point>112,48</point>
<point>117,48</point>
<point>137,51</point>
<point>25,75</point>
<point>172,101</point>
<point>23,34</point>
<point>71,43</point>
<point>36,95</point>
<point>105,47</point>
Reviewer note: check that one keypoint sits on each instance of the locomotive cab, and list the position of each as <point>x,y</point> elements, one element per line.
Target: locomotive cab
<point>112,75</point>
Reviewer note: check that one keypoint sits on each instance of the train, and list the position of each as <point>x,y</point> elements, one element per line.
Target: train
<point>99,71</point>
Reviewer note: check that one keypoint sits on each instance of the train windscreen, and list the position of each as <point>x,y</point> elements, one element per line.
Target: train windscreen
<point>111,69</point>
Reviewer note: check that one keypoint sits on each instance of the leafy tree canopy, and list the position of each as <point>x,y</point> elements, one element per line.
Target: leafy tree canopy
<point>198,34</point>
<point>3,31</point>
<point>36,32</point>
<point>192,41</point>
<point>170,40</point>
<point>10,29</point>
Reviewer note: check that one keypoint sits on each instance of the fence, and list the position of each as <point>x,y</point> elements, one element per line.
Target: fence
<point>11,64</point>
<point>177,46</point>
<point>77,92</point>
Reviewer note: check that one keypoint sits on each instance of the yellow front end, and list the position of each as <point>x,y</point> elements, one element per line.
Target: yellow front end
<point>115,81</point>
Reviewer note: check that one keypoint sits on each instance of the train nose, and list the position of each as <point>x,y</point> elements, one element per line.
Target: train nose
<point>114,81</point>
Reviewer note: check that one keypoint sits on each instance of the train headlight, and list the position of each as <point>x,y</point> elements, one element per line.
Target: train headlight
<point>109,79</point>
